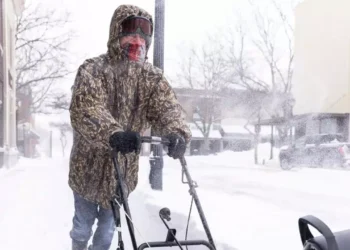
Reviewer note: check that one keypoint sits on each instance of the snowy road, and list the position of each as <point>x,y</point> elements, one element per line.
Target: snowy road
<point>253,207</point>
<point>248,207</point>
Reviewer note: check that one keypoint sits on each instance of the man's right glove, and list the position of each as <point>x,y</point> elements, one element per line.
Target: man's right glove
<point>177,145</point>
<point>125,142</point>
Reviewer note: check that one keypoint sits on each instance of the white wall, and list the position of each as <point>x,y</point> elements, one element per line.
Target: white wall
<point>11,8</point>
<point>9,91</point>
<point>18,6</point>
<point>322,53</point>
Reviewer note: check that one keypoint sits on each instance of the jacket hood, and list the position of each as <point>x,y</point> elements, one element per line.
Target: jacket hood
<point>120,14</point>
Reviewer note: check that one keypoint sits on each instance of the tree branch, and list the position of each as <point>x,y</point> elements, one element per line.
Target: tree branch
<point>41,47</point>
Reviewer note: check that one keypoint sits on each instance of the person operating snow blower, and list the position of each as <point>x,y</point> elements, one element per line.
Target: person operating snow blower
<point>115,97</point>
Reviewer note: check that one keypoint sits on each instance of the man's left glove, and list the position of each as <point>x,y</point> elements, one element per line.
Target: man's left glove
<point>177,145</point>
<point>125,142</point>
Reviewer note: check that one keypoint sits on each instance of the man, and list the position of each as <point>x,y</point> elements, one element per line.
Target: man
<point>116,96</point>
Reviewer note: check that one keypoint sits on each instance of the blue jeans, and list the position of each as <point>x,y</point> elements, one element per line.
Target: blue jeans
<point>84,218</point>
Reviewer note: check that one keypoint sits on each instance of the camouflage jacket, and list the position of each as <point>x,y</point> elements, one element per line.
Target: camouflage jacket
<point>112,94</point>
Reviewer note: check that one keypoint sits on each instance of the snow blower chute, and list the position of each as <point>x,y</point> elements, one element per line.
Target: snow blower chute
<point>327,241</point>
<point>164,213</point>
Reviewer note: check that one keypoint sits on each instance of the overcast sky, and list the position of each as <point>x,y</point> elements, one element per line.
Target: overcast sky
<point>186,22</point>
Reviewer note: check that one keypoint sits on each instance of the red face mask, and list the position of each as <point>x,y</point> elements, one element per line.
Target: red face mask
<point>134,47</point>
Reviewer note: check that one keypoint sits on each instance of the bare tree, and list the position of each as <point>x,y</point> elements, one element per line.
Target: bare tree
<point>59,101</point>
<point>272,37</point>
<point>41,48</point>
<point>280,64</point>
<point>64,128</point>
<point>240,62</point>
<point>269,44</point>
<point>204,73</point>
<point>269,35</point>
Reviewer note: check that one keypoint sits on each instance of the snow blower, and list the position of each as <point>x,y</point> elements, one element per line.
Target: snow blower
<point>164,213</point>
<point>327,241</point>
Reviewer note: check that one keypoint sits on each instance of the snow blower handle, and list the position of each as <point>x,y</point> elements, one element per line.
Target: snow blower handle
<point>192,185</point>
<point>155,140</point>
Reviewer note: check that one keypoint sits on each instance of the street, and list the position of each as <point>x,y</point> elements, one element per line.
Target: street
<point>247,206</point>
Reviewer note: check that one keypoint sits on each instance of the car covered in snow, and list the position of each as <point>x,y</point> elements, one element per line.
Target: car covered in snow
<point>319,150</point>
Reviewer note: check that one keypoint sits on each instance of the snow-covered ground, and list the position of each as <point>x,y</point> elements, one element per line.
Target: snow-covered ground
<point>248,207</point>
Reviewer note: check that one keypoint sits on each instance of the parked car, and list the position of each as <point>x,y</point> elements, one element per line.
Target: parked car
<point>320,150</point>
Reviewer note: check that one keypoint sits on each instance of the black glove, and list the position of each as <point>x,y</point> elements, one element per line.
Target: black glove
<point>177,145</point>
<point>126,142</point>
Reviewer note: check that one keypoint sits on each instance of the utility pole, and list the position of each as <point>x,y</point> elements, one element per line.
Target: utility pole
<point>158,52</point>
<point>156,158</point>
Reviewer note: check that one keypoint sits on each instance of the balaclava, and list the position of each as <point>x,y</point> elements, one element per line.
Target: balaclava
<point>136,48</point>
<point>124,13</point>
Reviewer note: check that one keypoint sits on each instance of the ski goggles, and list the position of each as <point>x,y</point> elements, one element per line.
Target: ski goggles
<point>132,24</point>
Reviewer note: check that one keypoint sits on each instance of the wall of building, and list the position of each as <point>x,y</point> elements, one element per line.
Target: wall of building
<point>11,8</point>
<point>321,81</point>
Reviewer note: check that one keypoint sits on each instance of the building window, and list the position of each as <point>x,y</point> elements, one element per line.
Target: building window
<point>11,47</point>
<point>12,118</point>
<point>328,126</point>
<point>10,79</point>
<point>300,130</point>
<point>313,127</point>
<point>341,124</point>
<point>216,126</point>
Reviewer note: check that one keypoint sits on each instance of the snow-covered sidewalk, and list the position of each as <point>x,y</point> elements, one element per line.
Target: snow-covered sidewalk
<point>36,205</point>
<point>248,207</point>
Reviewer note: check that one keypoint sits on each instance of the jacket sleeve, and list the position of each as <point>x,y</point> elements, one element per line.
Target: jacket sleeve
<point>89,113</point>
<point>165,112</point>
